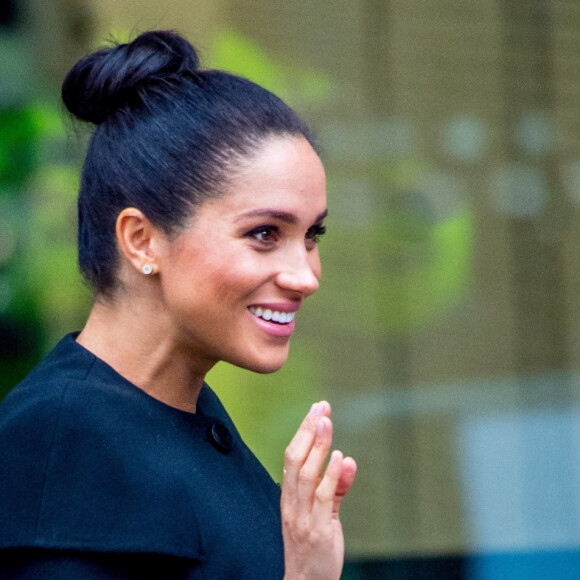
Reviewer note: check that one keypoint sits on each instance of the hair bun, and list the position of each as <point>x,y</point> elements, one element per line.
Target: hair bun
<point>104,81</point>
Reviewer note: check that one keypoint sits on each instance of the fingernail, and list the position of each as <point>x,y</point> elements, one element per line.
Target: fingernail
<point>334,456</point>
<point>320,428</point>
<point>316,410</point>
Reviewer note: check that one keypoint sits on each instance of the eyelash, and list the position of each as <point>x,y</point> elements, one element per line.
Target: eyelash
<point>313,234</point>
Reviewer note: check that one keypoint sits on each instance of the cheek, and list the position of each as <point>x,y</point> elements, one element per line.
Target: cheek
<point>184,281</point>
<point>236,279</point>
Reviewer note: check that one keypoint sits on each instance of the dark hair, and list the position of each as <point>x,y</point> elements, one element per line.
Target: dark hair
<point>167,137</point>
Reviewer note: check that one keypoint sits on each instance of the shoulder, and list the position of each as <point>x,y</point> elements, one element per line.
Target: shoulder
<point>84,457</point>
<point>93,463</point>
<point>38,398</point>
<point>61,395</point>
<point>31,412</point>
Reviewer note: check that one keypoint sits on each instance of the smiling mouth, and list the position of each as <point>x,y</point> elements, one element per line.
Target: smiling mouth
<point>272,315</point>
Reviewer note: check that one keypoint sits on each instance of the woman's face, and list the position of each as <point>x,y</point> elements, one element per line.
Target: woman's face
<point>234,280</point>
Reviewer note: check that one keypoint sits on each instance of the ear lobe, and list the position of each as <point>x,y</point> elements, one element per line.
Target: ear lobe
<point>135,236</point>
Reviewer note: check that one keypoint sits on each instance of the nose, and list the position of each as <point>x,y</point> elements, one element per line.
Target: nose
<point>300,272</point>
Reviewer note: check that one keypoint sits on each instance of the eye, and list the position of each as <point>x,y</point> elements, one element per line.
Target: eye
<point>315,233</point>
<point>265,234</point>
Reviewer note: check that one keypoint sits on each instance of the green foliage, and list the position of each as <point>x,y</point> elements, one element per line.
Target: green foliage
<point>17,146</point>
<point>43,295</point>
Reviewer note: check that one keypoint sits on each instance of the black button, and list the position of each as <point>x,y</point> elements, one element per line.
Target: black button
<point>220,437</point>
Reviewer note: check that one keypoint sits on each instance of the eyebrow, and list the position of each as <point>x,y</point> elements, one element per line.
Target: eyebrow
<point>284,216</point>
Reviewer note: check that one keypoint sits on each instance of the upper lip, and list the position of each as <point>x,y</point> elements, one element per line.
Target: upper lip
<point>278,307</point>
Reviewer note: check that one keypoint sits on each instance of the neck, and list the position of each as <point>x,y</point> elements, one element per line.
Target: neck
<point>135,338</point>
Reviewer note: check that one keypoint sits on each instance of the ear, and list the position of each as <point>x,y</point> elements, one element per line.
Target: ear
<point>137,237</point>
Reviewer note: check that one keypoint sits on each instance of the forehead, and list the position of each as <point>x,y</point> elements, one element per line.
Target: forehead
<point>284,173</point>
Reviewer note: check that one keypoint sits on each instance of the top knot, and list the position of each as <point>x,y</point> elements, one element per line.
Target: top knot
<point>103,82</point>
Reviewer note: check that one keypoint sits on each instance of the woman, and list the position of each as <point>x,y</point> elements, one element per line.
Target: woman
<point>201,203</point>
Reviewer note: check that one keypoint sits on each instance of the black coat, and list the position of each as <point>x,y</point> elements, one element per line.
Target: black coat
<point>97,475</point>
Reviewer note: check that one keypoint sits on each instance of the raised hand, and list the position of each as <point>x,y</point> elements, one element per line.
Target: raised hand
<point>311,497</point>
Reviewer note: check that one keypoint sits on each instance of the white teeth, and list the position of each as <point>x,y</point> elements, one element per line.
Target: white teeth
<point>273,315</point>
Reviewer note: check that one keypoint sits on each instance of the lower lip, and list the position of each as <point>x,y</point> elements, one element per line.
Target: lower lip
<point>273,328</point>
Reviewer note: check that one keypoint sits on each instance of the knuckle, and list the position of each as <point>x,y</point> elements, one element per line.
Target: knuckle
<point>322,496</point>
<point>310,423</point>
<point>291,458</point>
<point>306,476</point>
<point>287,518</point>
<point>301,532</point>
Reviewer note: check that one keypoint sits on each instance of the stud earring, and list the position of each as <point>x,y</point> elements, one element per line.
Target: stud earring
<point>147,269</point>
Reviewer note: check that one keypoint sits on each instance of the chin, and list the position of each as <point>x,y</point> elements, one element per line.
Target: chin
<point>264,364</point>
<point>267,369</point>
<point>264,368</point>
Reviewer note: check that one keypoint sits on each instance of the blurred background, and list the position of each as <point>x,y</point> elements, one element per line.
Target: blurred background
<point>446,333</point>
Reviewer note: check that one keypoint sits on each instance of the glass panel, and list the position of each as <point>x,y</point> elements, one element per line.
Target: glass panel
<point>446,333</point>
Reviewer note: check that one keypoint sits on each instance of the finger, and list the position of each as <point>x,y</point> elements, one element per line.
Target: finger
<point>301,444</point>
<point>326,490</point>
<point>345,482</point>
<point>311,472</point>
<point>303,437</point>
<point>325,409</point>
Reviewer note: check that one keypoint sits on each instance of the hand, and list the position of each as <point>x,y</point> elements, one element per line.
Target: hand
<point>313,539</point>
